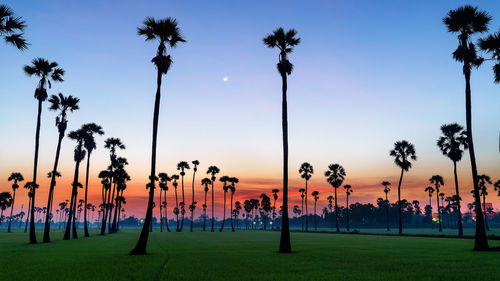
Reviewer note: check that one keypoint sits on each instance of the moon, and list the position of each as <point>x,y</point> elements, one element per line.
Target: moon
<point>225,79</point>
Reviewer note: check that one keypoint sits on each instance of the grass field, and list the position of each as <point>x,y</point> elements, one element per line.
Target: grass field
<point>246,255</point>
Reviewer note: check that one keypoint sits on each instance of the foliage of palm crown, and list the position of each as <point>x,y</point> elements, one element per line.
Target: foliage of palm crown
<point>5,200</point>
<point>213,170</point>
<point>306,170</point>
<point>491,44</point>
<point>315,195</point>
<point>453,142</point>
<point>284,41</point>
<point>466,21</point>
<point>63,103</point>
<point>497,186</point>
<point>348,189</point>
<point>206,181</point>
<point>11,28</point>
<point>166,32</point>
<point>483,180</point>
<point>437,180</point>
<point>181,166</point>
<point>90,129</point>
<point>386,184</point>
<point>403,151</point>
<point>112,144</point>
<point>78,136</point>
<point>47,71</point>
<point>335,175</point>
<point>16,177</point>
<point>429,189</point>
<point>195,165</point>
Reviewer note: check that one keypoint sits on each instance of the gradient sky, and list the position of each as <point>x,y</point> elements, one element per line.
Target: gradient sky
<point>367,73</point>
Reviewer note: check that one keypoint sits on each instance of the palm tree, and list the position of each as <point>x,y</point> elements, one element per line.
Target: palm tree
<point>442,204</point>
<point>348,190</point>
<point>438,181</point>
<point>275,197</point>
<point>330,205</point>
<point>121,178</point>
<point>284,41</point>
<point>12,28</point>
<point>16,177</point>
<point>496,186</point>
<point>335,177</point>
<point>232,188</point>
<point>452,143</point>
<point>483,180</point>
<point>79,154</point>
<point>306,170</point>
<point>112,144</point>
<point>386,191</point>
<point>167,33</point>
<point>195,168</point>
<point>466,21</point>
<point>212,170</point>
<point>61,104</point>
<point>302,195</point>
<point>181,166</point>
<point>224,180</point>
<point>90,145</point>
<point>205,182</point>
<point>164,179</point>
<point>175,178</point>
<point>403,152</point>
<point>5,202</point>
<point>491,44</point>
<point>315,197</point>
<point>106,177</point>
<point>430,190</point>
<point>46,71</point>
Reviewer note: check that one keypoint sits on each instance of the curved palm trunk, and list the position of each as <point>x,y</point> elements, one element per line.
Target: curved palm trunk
<point>72,208</point>
<point>183,205</point>
<point>439,212</point>
<point>105,211</point>
<point>85,226</point>
<point>224,216</point>
<point>111,207</point>
<point>212,206</point>
<point>231,212</point>
<point>307,213</point>
<point>11,209</point>
<point>347,211</point>
<point>400,211</point>
<point>46,231</point>
<point>35,168</point>
<point>140,248</point>
<point>115,216</point>
<point>460,227</point>
<point>285,245</point>
<point>387,211</point>
<point>336,211</point>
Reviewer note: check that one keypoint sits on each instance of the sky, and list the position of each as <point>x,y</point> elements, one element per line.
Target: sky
<point>366,74</point>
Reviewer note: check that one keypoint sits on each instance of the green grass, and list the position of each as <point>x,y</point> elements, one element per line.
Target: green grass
<point>246,255</point>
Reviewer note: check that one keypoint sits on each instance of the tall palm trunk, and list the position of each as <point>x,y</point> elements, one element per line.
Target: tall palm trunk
<point>347,211</point>
<point>105,211</point>
<point>183,204</point>
<point>387,211</point>
<point>72,205</point>
<point>485,214</point>
<point>75,234</point>
<point>177,206</point>
<point>11,209</point>
<point>166,211</point>
<point>111,207</point>
<point>302,220</point>
<point>205,213</point>
<point>336,211</point>
<point>161,214</point>
<point>307,213</point>
<point>85,226</point>
<point>35,168</point>
<point>231,212</point>
<point>315,226</point>
<point>430,204</point>
<point>46,232</point>
<point>460,227</point>
<point>400,211</point>
<point>27,215</point>
<point>117,208</point>
<point>224,212</point>
<point>439,212</point>
<point>192,204</point>
<point>140,248</point>
<point>285,245</point>
<point>212,205</point>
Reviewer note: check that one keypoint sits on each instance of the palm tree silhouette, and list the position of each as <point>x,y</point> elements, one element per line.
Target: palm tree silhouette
<point>442,205</point>
<point>61,104</point>
<point>483,180</point>
<point>224,180</point>
<point>335,177</point>
<point>438,181</point>
<point>12,28</point>
<point>386,191</point>
<point>5,202</point>
<point>166,32</point>
<point>430,190</point>
<point>491,44</point>
<point>232,188</point>
<point>275,197</point>
<point>121,178</point>
<point>46,71</point>
<point>284,41</point>
<point>106,177</point>
<point>330,205</point>
<point>452,143</point>
<point>164,179</point>
<point>90,145</point>
<point>315,197</point>
<point>195,168</point>
<point>306,171</point>
<point>175,178</point>
<point>496,186</point>
<point>255,205</point>
<point>16,177</point>
<point>348,190</point>
<point>29,186</point>
<point>112,144</point>
<point>466,21</point>
<point>403,152</point>
<point>181,166</point>
<point>213,170</point>
<point>205,182</point>
<point>302,195</point>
